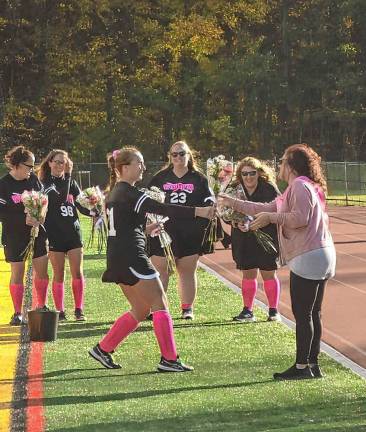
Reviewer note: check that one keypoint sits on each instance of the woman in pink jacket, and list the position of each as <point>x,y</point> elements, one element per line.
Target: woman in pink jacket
<point>306,246</point>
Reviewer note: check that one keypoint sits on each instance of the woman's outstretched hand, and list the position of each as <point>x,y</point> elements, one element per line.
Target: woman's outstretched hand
<point>260,220</point>
<point>224,200</point>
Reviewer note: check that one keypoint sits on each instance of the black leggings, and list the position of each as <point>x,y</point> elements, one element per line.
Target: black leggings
<point>306,300</point>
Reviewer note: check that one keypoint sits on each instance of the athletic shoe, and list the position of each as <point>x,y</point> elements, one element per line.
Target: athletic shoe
<point>103,357</point>
<point>173,366</point>
<point>149,317</point>
<point>245,316</point>
<point>273,315</point>
<point>79,316</point>
<point>62,316</point>
<point>317,372</point>
<point>293,373</point>
<point>187,314</point>
<point>16,319</point>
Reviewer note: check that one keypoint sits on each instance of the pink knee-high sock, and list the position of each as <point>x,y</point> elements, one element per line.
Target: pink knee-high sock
<point>186,306</point>
<point>58,292</point>
<point>78,286</point>
<point>41,286</point>
<point>163,328</point>
<point>248,291</point>
<point>122,327</point>
<point>17,294</point>
<point>272,290</point>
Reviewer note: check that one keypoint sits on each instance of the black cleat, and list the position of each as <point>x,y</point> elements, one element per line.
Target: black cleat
<point>103,358</point>
<point>173,366</point>
<point>62,316</point>
<point>245,316</point>
<point>79,316</point>
<point>16,319</point>
<point>317,372</point>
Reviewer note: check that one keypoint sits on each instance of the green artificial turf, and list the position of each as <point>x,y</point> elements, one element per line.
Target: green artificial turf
<point>231,388</point>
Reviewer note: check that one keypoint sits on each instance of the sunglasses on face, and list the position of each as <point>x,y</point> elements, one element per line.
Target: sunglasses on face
<point>28,166</point>
<point>248,173</point>
<point>180,153</point>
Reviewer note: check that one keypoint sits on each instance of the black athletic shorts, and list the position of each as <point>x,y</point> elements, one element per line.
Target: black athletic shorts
<point>14,248</point>
<point>64,245</point>
<point>127,271</point>
<point>187,239</point>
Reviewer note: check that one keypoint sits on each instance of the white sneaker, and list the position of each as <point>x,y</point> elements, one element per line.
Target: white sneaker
<point>187,314</point>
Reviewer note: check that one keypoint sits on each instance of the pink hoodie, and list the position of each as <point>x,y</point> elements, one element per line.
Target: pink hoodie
<point>302,223</point>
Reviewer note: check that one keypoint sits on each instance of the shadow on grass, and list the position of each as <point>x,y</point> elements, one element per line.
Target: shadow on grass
<point>95,256</point>
<point>80,399</point>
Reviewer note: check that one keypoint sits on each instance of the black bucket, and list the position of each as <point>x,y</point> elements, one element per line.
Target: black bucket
<point>42,325</point>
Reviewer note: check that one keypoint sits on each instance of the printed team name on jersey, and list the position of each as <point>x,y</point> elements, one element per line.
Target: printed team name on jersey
<point>186,187</point>
<point>16,198</point>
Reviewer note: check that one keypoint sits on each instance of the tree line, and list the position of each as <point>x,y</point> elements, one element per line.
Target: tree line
<point>234,77</point>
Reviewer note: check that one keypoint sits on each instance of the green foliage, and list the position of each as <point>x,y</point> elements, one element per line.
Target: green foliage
<point>241,76</point>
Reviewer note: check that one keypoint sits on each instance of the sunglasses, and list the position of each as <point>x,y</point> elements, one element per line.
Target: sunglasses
<point>28,166</point>
<point>180,153</point>
<point>248,173</point>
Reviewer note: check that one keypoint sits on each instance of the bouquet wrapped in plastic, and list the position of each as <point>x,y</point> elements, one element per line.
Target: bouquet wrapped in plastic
<point>93,199</point>
<point>164,238</point>
<point>234,218</point>
<point>36,205</point>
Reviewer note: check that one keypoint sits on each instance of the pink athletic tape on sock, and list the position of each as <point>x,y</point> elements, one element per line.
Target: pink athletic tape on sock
<point>58,292</point>
<point>78,288</point>
<point>41,286</point>
<point>17,294</point>
<point>163,328</point>
<point>248,291</point>
<point>272,290</point>
<point>119,331</point>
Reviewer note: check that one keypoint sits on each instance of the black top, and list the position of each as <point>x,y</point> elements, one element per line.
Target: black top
<point>62,216</point>
<point>12,213</point>
<point>126,209</point>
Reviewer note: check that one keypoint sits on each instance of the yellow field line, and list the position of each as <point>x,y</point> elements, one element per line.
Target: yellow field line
<point>9,344</point>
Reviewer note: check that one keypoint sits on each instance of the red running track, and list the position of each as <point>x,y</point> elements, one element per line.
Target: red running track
<point>344,308</point>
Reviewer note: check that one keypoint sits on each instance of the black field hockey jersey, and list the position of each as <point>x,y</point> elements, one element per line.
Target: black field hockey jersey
<point>126,210</point>
<point>192,189</point>
<point>62,213</point>
<point>12,213</point>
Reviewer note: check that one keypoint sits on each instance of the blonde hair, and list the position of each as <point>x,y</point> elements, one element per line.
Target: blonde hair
<point>193,154</point>
<point>116,160</point>
<point>265,172</point>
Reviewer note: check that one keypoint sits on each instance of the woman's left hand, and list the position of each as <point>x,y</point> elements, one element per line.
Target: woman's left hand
<point>31,221</point>
<point>261,220</point>
<point>154,229</point>
<point>224,200</point>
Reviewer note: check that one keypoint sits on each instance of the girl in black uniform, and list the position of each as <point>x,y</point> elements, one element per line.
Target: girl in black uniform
<point>128,264</point>
<point>63,229</point>
<point>16,229</point>
<point>183,184</point>
<point>258,182</point>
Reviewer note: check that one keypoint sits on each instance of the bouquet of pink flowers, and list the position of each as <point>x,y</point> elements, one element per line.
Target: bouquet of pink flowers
<point>93,199</point>
<point>35,204</point>
<point>164,238</point>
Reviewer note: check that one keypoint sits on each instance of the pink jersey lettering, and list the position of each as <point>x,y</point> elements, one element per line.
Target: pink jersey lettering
<point>187,187</point>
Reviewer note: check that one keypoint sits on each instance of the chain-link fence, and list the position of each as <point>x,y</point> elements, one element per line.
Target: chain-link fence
<point>346,180</point>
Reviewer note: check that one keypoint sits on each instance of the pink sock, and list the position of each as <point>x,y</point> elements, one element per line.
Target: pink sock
<point>58,291</point>
<point>41,286</point>
<point>272,290</point>
<point>78,286</point>
<point>249,290</point>
<point>163,328</point>
<point>122,327</point>
<point>186,306</point>
<point>17,293</point>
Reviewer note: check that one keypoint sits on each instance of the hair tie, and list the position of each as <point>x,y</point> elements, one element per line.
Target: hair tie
<point>115,153</point>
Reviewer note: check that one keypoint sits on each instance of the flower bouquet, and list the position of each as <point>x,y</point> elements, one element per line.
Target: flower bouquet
<point>234,218</point>
<point>215,167</point>
<point>35,204</point>
<point>92,198</point>
<point>164,238</point>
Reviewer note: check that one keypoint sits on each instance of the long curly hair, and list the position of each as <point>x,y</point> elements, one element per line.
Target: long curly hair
<point>44,170</point>
<point>305,161</point>
<point>265,172</point>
